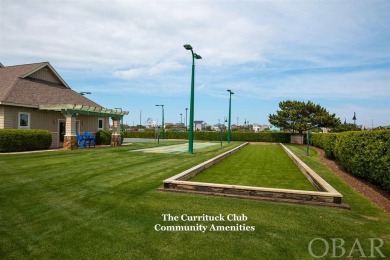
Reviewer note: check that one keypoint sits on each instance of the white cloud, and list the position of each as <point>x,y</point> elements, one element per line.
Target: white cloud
<point>159,68</point>
<point>134,33</point>
<point>121,33</point>
<point>356,85</point>
<point>143,41</point>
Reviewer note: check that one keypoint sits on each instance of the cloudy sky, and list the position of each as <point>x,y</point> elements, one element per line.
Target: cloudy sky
<point>130,54</point>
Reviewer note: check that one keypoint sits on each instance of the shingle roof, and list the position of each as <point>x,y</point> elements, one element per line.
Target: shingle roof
<point>10,75</point>
<point>16,87</point>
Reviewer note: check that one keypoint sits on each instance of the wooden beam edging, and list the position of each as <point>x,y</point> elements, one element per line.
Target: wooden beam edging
<point>326,195</point>
<point>313,176</point>
<point>253,188</point>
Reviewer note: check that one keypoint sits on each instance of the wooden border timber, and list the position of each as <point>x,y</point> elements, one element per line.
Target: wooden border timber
<point>326,194</point>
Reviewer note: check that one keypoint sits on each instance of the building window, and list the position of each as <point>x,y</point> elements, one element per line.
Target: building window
<point>24,120</point>
<point>100,124</point>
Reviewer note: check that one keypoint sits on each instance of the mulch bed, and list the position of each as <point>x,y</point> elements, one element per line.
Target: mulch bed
<point>374,193</point>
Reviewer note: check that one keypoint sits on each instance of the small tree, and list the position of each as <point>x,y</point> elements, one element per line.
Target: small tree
<point>297,116</point>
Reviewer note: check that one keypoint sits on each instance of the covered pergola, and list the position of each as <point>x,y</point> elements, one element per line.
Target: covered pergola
<point>71,111</point>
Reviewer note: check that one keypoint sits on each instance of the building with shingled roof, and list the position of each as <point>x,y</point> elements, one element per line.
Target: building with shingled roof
<point>34,96</point>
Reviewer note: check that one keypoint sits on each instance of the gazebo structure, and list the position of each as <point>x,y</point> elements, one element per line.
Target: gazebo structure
<point>72,111</point>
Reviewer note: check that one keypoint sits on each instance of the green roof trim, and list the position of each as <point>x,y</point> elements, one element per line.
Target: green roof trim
<point>84,110</point>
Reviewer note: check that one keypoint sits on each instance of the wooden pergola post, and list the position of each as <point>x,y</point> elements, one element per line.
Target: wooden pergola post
<point>70,138</point>
<point>116,135</point>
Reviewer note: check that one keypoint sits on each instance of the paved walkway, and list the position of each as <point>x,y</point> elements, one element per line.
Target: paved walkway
<point>177,148</point>
<point>149,140</point>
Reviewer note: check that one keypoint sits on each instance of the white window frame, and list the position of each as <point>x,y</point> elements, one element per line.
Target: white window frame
<point>101,128</point>
<point>78,127</point>
<point>28,120</point>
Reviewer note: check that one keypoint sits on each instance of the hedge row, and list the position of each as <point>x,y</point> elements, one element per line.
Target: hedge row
<point>326,142</point>
<point>104,137</point>
<point>17,140</point>
<point>215,136</point>
<point>364,154</point>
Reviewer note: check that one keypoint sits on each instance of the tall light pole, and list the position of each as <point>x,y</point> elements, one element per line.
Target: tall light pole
<point>191,133</point>
<point>162,125</point>
<point>186,119</point>
<point>181,119</point>
<point>230,112</point>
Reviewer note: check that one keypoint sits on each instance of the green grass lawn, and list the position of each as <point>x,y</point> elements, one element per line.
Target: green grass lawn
<point>103,204</point>
<point>258,165</point>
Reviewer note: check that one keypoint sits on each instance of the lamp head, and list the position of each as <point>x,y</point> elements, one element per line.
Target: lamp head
<point>198,57</point>
<point>187,47</point>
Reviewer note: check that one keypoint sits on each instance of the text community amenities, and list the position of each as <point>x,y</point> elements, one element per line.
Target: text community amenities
<point>203,223</point>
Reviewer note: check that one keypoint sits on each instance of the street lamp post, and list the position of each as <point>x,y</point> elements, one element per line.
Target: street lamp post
<point>191,133</point>
<point>162,125</point>
<point>186,119</point>
<point>307,141</point>
<point>308,138</point>
<point>181,119</point>
<point>230,112</point>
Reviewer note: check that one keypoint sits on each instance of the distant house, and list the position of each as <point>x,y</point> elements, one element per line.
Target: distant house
<point>259,128</point>
<point>169,125</point>
<point>325,129</point>
<point>150,123</point>
<point>199,125</point>
<point>218,127</point>
<point>34,96</point>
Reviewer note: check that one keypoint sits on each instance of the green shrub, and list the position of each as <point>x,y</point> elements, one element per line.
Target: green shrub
<point>104,137</point>
<point>175,135</point>
<point>146,134</point>
<point>276,137</point>
<point>17,140</point>
<point>326,142</point>
<point>211,136</point>
<point>215,136</point>
<point>365,154</point>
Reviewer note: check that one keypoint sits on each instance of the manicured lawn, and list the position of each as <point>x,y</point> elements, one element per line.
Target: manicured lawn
<point>257,165</point>
<point>103,204</point>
